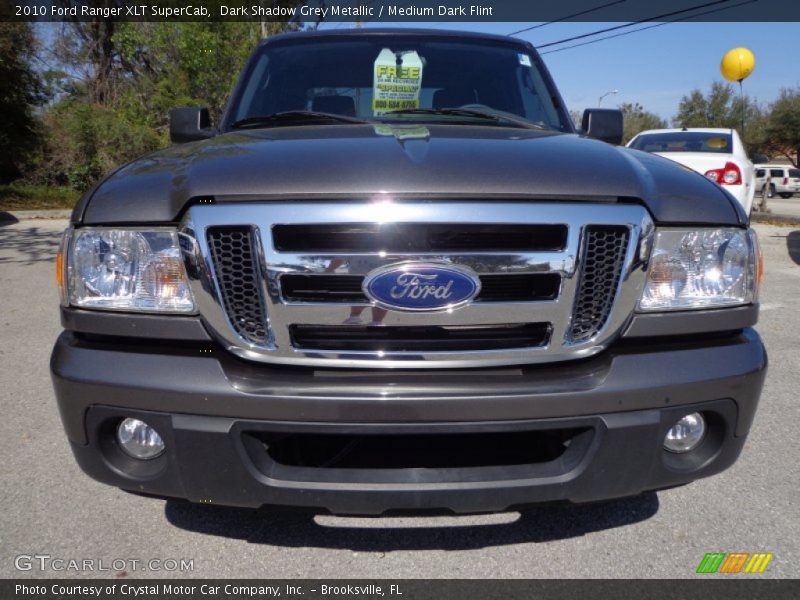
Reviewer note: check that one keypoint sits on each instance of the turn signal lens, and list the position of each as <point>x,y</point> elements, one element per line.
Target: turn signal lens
<point>61,275</point>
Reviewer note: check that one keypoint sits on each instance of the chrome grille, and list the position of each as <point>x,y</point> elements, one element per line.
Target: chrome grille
<point>525,287</point>
<point>323,318</point>
<point>603,256</point>
<point>237,278</point>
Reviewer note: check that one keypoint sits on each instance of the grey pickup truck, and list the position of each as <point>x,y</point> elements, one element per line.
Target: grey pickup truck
<point>393,276</point>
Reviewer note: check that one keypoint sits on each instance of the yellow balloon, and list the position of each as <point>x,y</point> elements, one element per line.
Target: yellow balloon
<point>737,64</point>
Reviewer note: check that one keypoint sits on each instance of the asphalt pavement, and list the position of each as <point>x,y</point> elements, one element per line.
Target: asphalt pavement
<point>50,508</point>
<point>785,207</point>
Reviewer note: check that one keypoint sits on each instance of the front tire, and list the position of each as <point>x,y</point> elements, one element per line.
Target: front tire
<point>771,191</point>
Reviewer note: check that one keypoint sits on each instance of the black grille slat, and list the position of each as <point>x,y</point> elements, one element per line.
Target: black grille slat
<point>526,287</point>
<point>418,237</point>
<point>322,288</point>
<point>523,287</point>
<point>237,276</point>
<point>603,256</point>
<point>419,339</point>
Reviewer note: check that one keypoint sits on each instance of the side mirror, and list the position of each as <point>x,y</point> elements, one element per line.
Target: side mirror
<point>189,124</point>
<point>603,124</point>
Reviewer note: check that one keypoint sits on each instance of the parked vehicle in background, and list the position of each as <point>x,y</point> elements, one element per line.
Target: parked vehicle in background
<point>716,153</point>
<point>783,180</point>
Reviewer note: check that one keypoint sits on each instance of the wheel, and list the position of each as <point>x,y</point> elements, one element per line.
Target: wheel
<point>786,194</point>
<point>771,191</point>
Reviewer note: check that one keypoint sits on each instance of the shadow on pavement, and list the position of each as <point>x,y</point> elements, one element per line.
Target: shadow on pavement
<point>28,246</point>
<point>793,245</point>
<point>297,529</point>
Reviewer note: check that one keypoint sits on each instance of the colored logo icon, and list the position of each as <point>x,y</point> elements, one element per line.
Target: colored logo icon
<point>734,562</point>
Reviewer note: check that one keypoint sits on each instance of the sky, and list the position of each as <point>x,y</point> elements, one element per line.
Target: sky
<point>656,67</point>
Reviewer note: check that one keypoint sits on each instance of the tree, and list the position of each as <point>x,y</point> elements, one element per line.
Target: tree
<point>111,91</point>
<point>636,119</point>
<point>88,46</point>
<point>19,93</point>
<point>783,125</point>
<point>182,63</point>
<point>722,107</point>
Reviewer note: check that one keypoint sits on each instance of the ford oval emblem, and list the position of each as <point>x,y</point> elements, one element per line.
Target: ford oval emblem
<point>421,286</point>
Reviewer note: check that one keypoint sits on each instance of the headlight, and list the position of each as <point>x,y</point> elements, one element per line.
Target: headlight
<point>701,268</point>
<point>128,269</point>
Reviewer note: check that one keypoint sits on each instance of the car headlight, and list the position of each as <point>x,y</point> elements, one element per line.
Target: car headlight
<point>701,268</point>
<point>127,269</point>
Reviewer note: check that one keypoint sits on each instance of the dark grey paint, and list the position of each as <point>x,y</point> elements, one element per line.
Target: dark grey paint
<point>353,161</point>
<point>619,380</point>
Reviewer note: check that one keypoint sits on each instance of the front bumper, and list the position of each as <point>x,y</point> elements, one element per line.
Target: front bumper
<point>222,418</point>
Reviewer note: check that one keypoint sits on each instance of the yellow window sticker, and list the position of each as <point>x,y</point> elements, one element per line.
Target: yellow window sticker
<point>397,81</point>
<point>717,143</point>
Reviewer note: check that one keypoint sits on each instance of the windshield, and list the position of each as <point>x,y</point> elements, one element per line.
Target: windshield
<point>684,141</point>
<point>371,77</point>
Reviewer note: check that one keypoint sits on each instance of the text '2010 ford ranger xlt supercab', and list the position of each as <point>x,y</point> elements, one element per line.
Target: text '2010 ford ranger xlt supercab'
<point>393,276</point>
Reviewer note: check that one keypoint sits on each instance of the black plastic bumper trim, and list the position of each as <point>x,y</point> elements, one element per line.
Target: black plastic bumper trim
<point>163,327</point>
<point>207,461</point>
<point>692,322</point>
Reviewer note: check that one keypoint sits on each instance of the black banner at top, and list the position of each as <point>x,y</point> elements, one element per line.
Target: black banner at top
<point>399,11</point>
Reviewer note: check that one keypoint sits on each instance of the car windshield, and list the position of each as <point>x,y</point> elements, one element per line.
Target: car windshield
<point>371,78</point>
<point>684,141</point>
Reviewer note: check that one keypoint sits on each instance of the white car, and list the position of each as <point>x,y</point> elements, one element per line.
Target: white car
<point>716,153</point>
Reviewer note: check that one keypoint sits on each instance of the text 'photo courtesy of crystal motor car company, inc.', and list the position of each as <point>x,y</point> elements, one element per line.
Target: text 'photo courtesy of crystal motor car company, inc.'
<point>394,276</point>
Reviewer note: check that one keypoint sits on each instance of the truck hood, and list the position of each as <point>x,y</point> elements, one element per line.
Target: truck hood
<point>364,161</point>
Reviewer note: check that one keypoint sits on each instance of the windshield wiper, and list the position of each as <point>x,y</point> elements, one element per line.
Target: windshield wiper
<point>479,113</point>
<point>294,116</point>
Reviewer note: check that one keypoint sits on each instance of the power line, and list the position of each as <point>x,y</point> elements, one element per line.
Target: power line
<point>625,25</point>
<point>578,14</point>
<point>616,35</point>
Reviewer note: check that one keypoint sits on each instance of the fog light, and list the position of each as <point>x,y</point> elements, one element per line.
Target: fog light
<point>686,434</point>
<point>139,440</point>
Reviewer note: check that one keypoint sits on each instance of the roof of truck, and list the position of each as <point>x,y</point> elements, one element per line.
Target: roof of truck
<point>392,31</point>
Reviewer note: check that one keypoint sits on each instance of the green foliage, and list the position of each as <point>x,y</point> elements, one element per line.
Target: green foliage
<point>178,64</point>
<point>783,125</point>
<point>83,141</point>
<point>132,74</point>
<point>636,119</point>
<point>19,196</point>
<point>19,91</point>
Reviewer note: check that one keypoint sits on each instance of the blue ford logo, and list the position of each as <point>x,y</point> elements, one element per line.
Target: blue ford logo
<point>421,286</point>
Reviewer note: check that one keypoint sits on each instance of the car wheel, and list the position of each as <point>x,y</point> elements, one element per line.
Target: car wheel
<point>771,191</point>
<point>785,195</point>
